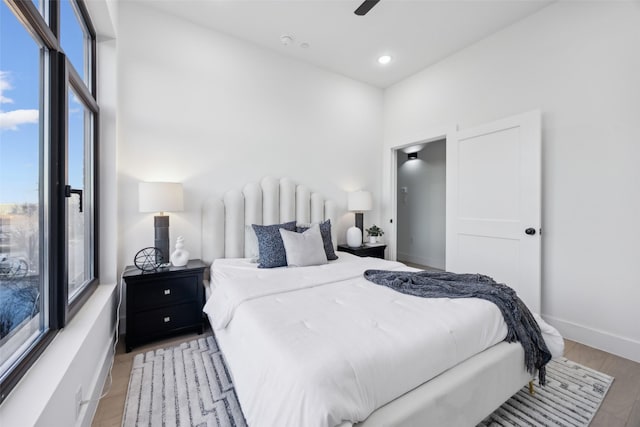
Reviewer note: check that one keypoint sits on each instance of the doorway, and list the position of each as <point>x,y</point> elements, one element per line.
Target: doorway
<point>492,202</point>
<point>421,205</point>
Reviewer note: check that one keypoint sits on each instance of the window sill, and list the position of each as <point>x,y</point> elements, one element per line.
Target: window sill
<point>72,361</point>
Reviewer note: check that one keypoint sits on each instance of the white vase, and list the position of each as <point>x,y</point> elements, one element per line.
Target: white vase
<point>180,257</point>
<point>373,239</point>
<point>354,237</point>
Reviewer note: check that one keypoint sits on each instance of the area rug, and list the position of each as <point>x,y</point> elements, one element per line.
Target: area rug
<point>189,385</point>
<point>571,398</point>
<point>182,386</point>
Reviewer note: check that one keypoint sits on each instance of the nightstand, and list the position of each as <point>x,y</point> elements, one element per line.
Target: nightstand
<point>164,302</point>
<point>375,251</point>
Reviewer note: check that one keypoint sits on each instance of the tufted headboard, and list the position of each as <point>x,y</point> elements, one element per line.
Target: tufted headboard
<point>272,201</point>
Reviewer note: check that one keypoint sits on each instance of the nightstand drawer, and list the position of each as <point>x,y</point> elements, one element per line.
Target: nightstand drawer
<point>375,251</point>
<point>167,319</point>
<point>160,292</point>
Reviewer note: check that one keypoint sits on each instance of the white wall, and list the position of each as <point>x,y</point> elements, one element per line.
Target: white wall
<point>579,63</point>
<point>215,113</point>
<point>107,99</point>
<point>421,210</point>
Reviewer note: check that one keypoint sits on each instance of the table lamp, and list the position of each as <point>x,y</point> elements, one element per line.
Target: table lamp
<point>160,197</point>
<point>357,201</point>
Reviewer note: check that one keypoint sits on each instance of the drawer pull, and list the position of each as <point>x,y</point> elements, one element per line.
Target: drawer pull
<point>167,319</point>
<point>167,291</point>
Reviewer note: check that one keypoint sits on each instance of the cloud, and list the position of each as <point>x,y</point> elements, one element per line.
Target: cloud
<point>4,85</point>
<point>12,119</point>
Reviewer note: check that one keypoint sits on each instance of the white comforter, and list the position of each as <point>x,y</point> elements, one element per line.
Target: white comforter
<point>318,346</point>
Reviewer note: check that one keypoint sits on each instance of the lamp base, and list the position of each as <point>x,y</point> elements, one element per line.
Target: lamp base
<point>360,221</point>
<point>161,234</point>
<point>354,237</point>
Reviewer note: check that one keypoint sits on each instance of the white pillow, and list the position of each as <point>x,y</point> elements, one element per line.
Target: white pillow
<point>304,249</point>
<point>251,243</point>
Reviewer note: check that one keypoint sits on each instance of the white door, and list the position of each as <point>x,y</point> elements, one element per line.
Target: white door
<point>494,203</point>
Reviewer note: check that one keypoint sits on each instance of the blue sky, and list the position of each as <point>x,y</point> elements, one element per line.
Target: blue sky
<point>19,105</point>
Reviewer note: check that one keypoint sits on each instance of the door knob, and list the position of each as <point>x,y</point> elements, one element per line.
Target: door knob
<point>530,231</point>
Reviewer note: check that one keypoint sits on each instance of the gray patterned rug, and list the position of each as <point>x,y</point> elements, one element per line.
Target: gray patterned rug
<point>571,398</point>
<point>189,385</point>
<point>185,385</point>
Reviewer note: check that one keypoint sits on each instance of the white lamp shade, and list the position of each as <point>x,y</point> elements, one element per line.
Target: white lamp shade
<point>160,197</point>
<point>359,201</point>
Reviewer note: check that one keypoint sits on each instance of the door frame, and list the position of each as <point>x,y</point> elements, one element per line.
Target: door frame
<point>430,135</point>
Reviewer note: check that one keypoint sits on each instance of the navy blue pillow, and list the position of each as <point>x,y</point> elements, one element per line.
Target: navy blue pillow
<point>270,246</point>
<point>325,231</point>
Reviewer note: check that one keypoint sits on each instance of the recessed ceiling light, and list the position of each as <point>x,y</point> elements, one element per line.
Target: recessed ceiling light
<point>384,59</point>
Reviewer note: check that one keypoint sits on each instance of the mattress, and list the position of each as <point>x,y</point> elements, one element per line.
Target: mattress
<point>321,346</point>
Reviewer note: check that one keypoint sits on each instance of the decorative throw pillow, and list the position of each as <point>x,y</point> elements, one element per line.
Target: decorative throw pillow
<point>325,231</point>
<point>270,247</point>
<point>305,248</point>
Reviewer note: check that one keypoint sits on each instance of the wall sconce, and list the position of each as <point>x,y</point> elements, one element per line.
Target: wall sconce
<point>412,156</point>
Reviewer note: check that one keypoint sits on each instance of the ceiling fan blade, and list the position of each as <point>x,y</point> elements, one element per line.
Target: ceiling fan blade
<point>365,7</point>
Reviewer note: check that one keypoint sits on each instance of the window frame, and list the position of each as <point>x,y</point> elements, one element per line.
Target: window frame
<point>73,80</point>
<point>57,76</point>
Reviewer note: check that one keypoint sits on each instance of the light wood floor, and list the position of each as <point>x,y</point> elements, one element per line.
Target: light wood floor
<point>420,266</point>
<point>621,406</point>
<point>111,407</point>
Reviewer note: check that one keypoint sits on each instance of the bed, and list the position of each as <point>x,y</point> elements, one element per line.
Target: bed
<point>321,346</point>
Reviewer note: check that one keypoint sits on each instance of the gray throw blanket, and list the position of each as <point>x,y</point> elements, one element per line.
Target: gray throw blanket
<point>521,325</point>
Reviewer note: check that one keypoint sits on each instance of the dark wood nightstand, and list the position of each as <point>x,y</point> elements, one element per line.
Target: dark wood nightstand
<point>375,251</point>
<point>164,302</point>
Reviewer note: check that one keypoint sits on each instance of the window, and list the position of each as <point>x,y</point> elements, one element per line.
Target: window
<point>75,38</point>
<point>48,222</point>
<point>22,219</point>
<point>39,5</point>
<point>79,207</point>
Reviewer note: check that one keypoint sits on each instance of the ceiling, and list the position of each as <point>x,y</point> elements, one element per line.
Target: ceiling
<point>415,33</point>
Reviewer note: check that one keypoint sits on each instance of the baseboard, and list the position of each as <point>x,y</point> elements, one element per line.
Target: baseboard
<point>427,261</point>
<point>614,344</point>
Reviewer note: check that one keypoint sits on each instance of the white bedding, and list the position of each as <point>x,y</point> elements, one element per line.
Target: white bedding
<point>318,346</point>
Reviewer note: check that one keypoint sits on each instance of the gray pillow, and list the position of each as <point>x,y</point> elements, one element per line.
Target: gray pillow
<point>325,231</point>
<point>304,249</point>
<point>270,247</point>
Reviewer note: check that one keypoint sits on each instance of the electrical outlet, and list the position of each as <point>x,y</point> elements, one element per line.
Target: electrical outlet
<point>78,401</point>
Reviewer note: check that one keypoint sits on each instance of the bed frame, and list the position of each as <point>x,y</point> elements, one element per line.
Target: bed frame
<point>461,396</point>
